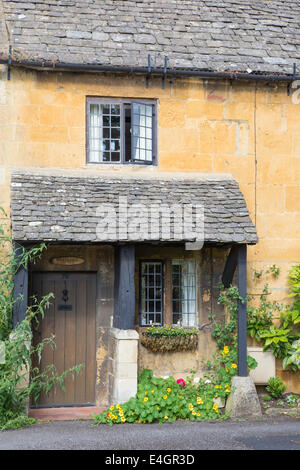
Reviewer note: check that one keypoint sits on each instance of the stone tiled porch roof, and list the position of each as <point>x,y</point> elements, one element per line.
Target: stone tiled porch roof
<point>229,35</point>
<point>60,207</point>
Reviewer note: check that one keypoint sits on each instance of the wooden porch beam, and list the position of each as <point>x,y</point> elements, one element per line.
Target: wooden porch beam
<point>124,291</point>
<point>230,266</point>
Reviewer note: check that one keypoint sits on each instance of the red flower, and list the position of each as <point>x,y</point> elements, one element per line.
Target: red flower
<point>181,382</point>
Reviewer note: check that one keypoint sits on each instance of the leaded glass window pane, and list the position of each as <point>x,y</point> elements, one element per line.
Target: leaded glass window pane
<point>151,289</point>
<point>105,132</point>
<point>142,132</point>
<point>184,292</point>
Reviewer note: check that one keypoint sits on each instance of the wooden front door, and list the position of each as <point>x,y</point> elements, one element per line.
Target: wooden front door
<point>71,318</point>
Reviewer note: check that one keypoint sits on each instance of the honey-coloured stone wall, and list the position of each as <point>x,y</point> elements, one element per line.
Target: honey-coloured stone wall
<point>244,128</point>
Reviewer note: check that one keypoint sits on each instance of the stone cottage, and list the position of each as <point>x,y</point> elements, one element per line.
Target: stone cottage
<point>154,150</point>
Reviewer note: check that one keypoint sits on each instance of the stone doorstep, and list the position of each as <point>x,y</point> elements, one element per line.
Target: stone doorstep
<point>64,413</point>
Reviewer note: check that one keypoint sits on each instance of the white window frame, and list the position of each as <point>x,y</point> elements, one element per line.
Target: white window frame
<point>122,102</point>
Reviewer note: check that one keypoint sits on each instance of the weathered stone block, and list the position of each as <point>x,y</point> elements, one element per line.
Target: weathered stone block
<point>243,401</point>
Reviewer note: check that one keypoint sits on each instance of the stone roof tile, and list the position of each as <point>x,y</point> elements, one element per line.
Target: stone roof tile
<point>59,208</point>
<point>234,36</point>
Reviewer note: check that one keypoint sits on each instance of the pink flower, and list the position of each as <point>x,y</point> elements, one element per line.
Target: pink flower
<point>181,382</point>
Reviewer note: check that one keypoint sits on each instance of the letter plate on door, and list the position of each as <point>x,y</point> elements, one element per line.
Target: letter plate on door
<point>65,307</point>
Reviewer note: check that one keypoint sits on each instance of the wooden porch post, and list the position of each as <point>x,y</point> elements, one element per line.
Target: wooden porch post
<point>20,289</point>
<point>242,311</point>
<point>124,312</point>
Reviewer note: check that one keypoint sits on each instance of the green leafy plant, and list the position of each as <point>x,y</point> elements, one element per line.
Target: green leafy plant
<point>281,339</point>
<point>275,387</point>
<point>292,358</point>
<point>170,331</point>
<point>294,281</point>
<point>267,398</point>
<point>274,270</point>
<point>225,333</point>
<point>257,274</point>
<point>166,400</point>
<point>276,339</point>
<point>293,400</point>
<point>18,422</point>
<point>293,314</point>
<point>259,318</point>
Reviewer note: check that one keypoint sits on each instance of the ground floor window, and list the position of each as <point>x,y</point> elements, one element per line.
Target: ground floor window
<point>184,293</point>
<point>181,290</point>
<point>151,293</point>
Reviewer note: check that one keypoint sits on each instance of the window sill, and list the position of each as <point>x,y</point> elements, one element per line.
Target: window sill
<point>121,167</point>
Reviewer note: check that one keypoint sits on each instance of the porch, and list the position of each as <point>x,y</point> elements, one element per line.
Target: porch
<point>43,210</point>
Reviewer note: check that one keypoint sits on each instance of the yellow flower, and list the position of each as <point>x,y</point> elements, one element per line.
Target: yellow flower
<point>168,390</point>
<point>198,414</point>
<point>146,393</point>
<point>123,419</point>
<point>165,397</point>
<point>193,412</point>
<point>152,391</point>
<point>216,408</point>
<point>233,366</point>
<point>226,350</point>
<point>121,412</point>
<point>139,421</point>
<point>199,401</point>
<point>166,417</point>
<point>227,390</point>
<point>111,408</point>
<point>118,406</point>
<point>145,399</point>
<point>190,406</point>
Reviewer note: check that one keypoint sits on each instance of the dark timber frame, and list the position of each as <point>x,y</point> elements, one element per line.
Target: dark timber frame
<point>20,288</point>
<point>124,291</point>
<point>237,258</point>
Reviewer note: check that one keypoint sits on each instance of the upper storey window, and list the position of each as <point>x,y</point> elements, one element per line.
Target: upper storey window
<point>121,131</point>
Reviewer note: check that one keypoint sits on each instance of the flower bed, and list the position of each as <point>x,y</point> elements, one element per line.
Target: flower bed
<point>166,400</point>
<point>167,339</point>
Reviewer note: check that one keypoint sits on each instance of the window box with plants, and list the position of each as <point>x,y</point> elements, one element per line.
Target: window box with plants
<point>169,339</point>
